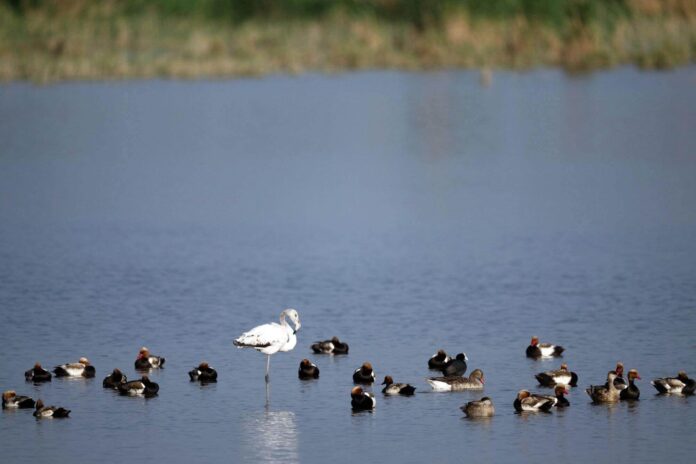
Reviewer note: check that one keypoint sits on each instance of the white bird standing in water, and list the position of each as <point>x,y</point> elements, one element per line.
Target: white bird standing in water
<point>273,337</point>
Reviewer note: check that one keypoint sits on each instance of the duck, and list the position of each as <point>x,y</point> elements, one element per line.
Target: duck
<point>364,374</point>
<point>203,373</point>
<point>114,379</point>
<point>456,366</point>
<point>458,383</point>
<point>619,381</point>
<point>530,402</point>
<point>438,360</point>
<point>392,388</point>
<point>681,384</point>
<point>333,346</point>
<point>607,393</point>
<point>481,408</point>
<point>560,392</point>
<point>82,368</point>
<point>631,392</point>
<point>10,400</point>
<point>561,376</point>
<point>361,400</point>
<point>543,350</point>
<point>308,370</point>
<point>37,374</point>
<point>143,387</point>
<point>145,360</point>
<point>49,411</point>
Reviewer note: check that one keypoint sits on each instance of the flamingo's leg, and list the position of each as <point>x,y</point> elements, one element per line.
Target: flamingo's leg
<point>268,366</point>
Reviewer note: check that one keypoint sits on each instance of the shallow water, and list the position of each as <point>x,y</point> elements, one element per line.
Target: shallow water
<point>402,212</point>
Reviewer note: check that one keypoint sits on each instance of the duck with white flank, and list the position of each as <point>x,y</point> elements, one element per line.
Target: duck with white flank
<point>143,387</point>
<point>530,402</point>
<point>42,411</point>
<point>456,366</point>
<point>607,393</point>
<point>203,373</point>
<point>631,392</point>
<point>37,374</point>
<point>114,379</point>
<point>438,360</point>
<point>561,376</point>
<point>543,350</point>
<point>681,384</point>
<point>308,370</point>
<point>145,360</point>
<point>82,368</point>
<point>272,338</point>
<point>481,408</point>
<point>333,346</point>
<point>364,374</point>
<point>361,400</point>
<point>10,400</point>
<point>458,383</point>
<point>397,388</point>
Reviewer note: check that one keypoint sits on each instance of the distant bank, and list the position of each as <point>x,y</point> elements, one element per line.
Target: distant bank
<point>46,41</point>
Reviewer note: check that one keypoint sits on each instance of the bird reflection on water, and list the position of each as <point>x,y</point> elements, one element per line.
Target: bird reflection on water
<point>270,436</point>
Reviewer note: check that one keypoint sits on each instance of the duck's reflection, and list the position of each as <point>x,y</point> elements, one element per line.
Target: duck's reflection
<point>270,436</point>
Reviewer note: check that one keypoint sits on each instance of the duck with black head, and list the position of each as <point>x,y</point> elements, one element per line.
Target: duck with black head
<point>543,350</point>
<point>361,400</point>
<point>364,374</point>
<point>438,360</point>
<point>10,400</point>
<point>82,368</point>
<point>308,370</point>
<point>114,379</point>
<point>333,346</point>
<point>456,366</point>
<point>37,374</point>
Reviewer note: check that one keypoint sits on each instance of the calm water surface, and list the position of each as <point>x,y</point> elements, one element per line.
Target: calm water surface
<point>402,212</point>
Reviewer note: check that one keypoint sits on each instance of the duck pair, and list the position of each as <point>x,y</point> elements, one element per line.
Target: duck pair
<point>534,402</point>
<point>611,392</point>
<point>448,366</point>
<point>333,346</point>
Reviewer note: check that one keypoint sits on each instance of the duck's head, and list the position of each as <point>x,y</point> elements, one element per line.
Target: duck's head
<point>441,354</point>
<point>203,366</point>
<point>619,369</point>
<point>462,357</point>
<point>633,374</point>
<point>335,340</point>
<point>486,400</point>
<point>388,380</point>
<point>681,375</point>
<point>522,394</point>
<point>356,392</point>
<point>305,363</point>
<point>560,390</point>
<point>477,374</point>
<point>143,353</point>
<point>564,367</point>
<point>37,365</point>
<point>39,404</point>
<point>8,395</point>
<point>117,371</point>
<point>366,367</point>
<point>293,316</point>
<point>535,341</point>
<point>84,361</point>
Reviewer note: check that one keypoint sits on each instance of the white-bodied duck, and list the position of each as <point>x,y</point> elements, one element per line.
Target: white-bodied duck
<point>82,368</point>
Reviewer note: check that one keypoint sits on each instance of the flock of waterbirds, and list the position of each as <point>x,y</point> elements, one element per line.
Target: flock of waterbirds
<point>273,338</point>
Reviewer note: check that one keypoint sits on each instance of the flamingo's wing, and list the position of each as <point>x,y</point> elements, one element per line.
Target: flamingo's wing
<point>263,336</point>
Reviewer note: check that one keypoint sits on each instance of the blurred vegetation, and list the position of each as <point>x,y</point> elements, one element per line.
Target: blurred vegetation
<point>46,40</point>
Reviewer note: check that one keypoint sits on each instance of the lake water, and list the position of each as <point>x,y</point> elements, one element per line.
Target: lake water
<point>403,212</point>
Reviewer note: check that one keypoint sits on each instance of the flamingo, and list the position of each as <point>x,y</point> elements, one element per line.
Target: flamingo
<point>272,338</point>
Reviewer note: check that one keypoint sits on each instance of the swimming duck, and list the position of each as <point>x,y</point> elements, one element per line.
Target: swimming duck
<point>456,366</point>
<point>458,383</point>
<point>37,374</point>
<point>619,381</point>
<point>333,346</point>
<point>203,373</point>
<point>82,368</point>
<point>10,400</point>
<point>396,388</point>
<point>679,384</point>
<point>481,408</point>
<point>531,402</point>
<point>308,370</point>
<point>143,387</point>
<point>438,360</point>
<point>49,411</point>
<point>545,350</point>
<point>364,374</point>
<point>631,392</point>
<point>114,379</point>
<point>560,392</point>
<point>361,400</point>
<point>561,376</point>
<point>607,393</point>
<point>145,360</point>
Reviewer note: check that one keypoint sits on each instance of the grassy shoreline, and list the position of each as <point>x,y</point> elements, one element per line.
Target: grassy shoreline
<point>100,41</point>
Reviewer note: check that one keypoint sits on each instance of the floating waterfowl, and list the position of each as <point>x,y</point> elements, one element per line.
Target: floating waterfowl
<point>114,379</point>
<point>561,376</point>
<point>361,400</point>
<point>10,400</point>
<point>607,393</point>
<point>82,368</point>
<point>530,402</point>
<point>37,374</point>
<point>145,360</point>
<point>560,392</point>
<point>619,381</point>
<point>438,360</point>
<point>481,408</point>
<point>333,346</point>
<point>203,373</point>
<point>458,383</point>
<point>456,366</point>
<point>272,338</point>
<point>543,350</point>
<point>364,374</point>
<point>681,384</point>
<point>143,387</point>
<point>631,392</point>
<point>308,370</point>
<point>43,412</point>
<point>396,388</point>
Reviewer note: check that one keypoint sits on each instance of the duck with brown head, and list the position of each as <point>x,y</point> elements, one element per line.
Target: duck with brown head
<point>308,370</point>
<point>361,400</point>
<point>529,402</point>
<point>203,373</point>
<point>438,360</point>
<point>10,400</point>
<point>543,350</point>
<point>364,374</point>
<point>37,374</point>
<point>392,388</point>
<point>145,360</point>
<point>631,392</point>
<point>82,368</point>
<point>44,412</point>
<point>561,376</point>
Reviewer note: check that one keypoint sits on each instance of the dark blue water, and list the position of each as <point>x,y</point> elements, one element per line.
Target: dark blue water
<point>402,212</point>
